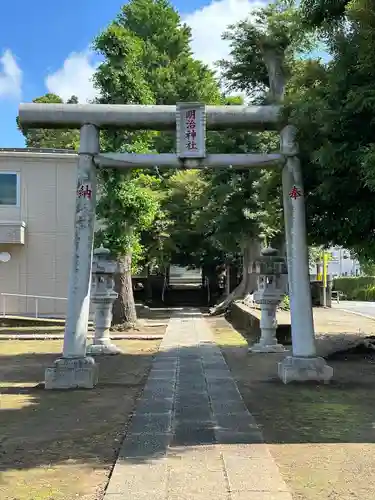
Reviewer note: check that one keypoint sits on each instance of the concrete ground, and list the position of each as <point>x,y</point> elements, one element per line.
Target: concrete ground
<point>354,306</point>
<point>191,436</point>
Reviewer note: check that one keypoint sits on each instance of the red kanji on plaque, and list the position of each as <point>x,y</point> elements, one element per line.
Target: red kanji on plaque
<point>295,193</point>
<point>84,191</point>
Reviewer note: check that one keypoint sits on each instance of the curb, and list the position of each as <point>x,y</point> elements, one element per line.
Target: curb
<point>61,337</point>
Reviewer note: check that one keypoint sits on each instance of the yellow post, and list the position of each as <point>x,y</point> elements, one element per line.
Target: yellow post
<point>325,269</point>
<point>325,277</point>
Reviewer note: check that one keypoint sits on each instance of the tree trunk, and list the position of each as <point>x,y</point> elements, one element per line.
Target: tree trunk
<point>251,250</point>
<point>227,279</point>
<point>124,312</point>
<point>148,286</point>
<point>233,277</point>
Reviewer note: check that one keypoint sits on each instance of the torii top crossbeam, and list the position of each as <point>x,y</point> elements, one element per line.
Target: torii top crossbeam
<point>190,120</point>
<point>143,117</point>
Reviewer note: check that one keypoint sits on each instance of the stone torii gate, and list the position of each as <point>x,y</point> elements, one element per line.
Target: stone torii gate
<point>74,368</point>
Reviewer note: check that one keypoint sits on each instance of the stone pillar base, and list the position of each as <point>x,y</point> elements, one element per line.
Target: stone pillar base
<point>267,348</point>
<point>304,369</point>
<point>100,349</point>
<point>72,373</point>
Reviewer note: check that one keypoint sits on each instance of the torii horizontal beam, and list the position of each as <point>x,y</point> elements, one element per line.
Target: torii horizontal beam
<point>143,117</point>
<point>132,160</point>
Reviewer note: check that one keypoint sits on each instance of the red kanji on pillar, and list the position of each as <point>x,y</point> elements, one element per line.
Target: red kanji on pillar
<point>295,193</point>
<point>84,191</point>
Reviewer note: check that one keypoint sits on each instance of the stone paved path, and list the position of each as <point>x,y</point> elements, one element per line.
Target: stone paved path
<point>191,437</point>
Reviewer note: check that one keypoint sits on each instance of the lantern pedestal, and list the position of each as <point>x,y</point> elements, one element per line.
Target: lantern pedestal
<point>103,317</point>
<point>295,369</point>
<point>103,349</point>
<point>268,326</point>
<point>103,296</point>
<point>72,373</point>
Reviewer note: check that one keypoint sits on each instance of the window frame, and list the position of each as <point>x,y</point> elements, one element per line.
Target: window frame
<point>18,191</point>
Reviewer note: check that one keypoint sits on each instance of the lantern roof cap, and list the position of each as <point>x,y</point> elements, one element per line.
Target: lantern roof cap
<point>101,251</point>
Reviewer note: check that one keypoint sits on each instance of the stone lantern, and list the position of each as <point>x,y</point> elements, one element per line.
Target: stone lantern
<point>103,296</point>
<point>271,270</point>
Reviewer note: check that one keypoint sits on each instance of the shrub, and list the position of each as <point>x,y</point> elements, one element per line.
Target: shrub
<point>358,294</point>
<point>355,287</point>
<point>285,303</point>
<point>370,293</point>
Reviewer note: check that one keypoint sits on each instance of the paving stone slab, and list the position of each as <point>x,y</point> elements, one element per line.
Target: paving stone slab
<point>154,495</point>
<point>161,355</point>
<point>186,369</point>
<point>198,495</point>
<point>154,405</point>
<point>165,363</point>
<point>247,474</point>
<point>227,407</point>
<point>196,476</point>
<point>193,397</point>
<point>191,384</point>
<point>151,423</point>
<point>189,432</point>
<point>188,412</point>
<point>155,383</point>
<point>158,391</point>
<point>237,422</point>
<point>226,384</point>
<point>189,376</point>
<point>238,451</point>
<point>260,495</point>
<point>217,373</point>
<point>227,393</point>
<point>214,365</point>
<point>232,437</point>
<point>140,447</point>
<point>162,374</point>
<point>129,479</point>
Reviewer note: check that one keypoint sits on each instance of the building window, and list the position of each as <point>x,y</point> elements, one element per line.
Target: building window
<point>9,189</point>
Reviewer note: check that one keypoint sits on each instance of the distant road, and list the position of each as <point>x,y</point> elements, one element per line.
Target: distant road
<point>367,308</point>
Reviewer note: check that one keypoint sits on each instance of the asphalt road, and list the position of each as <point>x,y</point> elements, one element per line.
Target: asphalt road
<point>367,308</point>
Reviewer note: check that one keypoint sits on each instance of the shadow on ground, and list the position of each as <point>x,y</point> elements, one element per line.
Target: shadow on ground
<point>43,428</point>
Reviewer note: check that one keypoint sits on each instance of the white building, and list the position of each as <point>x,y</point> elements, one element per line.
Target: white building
<point>37,200</point>
<point>342,263</point>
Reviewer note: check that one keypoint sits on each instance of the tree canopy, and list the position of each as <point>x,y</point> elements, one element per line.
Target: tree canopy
<point>333,106</point>
<point>200,217</point>
<point>48,138</point>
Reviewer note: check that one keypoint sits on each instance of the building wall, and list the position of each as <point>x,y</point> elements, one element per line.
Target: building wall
<point>342,264</point>
<point>41,265</point>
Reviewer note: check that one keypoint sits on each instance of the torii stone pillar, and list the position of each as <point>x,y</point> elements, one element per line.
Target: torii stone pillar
<point>74,369</point>
<point>304,364</point>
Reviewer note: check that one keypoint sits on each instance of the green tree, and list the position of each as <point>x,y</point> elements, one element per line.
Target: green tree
<point>49,138</point>
<point>147,60</point>
<point>333,108</point>
<point>367,267</point>
<point>318,12</point>
<point>330,103</point>
<point>252,199</point>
